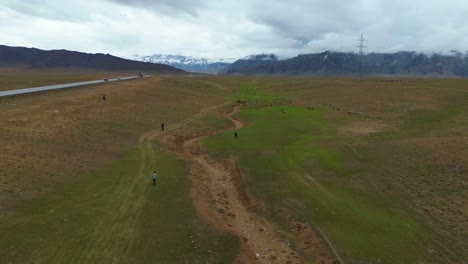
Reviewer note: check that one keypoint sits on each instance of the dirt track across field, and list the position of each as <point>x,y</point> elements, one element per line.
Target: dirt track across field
<point>220,188</point>
<point>131,205</point>
<point>218,196</point>
<point>221,201</point>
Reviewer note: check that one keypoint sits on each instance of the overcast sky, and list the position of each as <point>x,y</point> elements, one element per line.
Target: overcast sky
<point>235,28</point>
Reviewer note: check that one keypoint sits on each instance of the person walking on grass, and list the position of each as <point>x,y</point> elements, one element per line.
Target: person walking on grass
<point>154,175</point>
<point>162,126</point>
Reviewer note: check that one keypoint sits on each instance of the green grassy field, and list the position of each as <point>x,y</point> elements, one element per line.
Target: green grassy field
<point>88,221</point>
<point>275,148</point>
<point>342,191</point>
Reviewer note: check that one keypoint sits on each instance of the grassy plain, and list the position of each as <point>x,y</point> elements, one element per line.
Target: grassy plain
<point>71,189</point>
<point>377,167</point>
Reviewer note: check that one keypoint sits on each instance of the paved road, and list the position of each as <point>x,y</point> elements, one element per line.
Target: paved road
<point>60,86</point>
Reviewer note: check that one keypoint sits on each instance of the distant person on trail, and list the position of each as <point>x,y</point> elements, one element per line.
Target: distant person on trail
<point>154,175</point>
<point>162,126</point>
<point>235,134</point>
<point>103,97</point>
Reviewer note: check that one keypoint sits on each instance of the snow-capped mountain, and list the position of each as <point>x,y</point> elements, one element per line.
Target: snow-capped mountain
<point>187,63</point>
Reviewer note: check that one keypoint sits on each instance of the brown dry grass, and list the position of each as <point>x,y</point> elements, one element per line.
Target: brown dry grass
<point>18,78</point>
<point>54,137</point>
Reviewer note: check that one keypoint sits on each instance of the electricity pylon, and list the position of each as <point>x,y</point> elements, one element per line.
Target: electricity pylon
<point>361,47</point>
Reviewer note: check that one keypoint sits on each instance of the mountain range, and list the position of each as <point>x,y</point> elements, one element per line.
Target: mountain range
<point>39,59</point>
<point>330,63</point>
<point>187,63</point>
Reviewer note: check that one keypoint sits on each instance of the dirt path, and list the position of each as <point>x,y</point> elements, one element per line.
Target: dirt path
<point>124,219</point>
<point>218,86</point>
<point>220,200</point>
<point>218,195</point>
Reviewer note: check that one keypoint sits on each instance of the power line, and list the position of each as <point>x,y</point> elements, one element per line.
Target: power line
<point>361,47</point>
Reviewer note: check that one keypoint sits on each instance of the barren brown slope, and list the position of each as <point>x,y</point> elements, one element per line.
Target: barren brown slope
<point>36,58</point>
<point>54,137</point>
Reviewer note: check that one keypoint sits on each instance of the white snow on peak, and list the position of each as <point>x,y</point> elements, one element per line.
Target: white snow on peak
<point>179,59</point>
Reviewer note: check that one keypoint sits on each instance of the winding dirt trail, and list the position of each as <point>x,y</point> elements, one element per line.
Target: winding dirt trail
<point>218,195</point>
<point>218,86</point>
<point>125,216</point>
<point>220,200</point>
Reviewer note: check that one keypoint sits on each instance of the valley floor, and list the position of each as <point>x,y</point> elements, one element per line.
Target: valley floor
<point>321,171</point>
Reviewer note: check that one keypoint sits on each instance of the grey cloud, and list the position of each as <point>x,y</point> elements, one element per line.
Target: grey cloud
<point>50,9</point>
<point>168,7</point>
<point>306,21</point>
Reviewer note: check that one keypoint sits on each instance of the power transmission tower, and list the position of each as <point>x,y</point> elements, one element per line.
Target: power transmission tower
<point>361,47</point>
